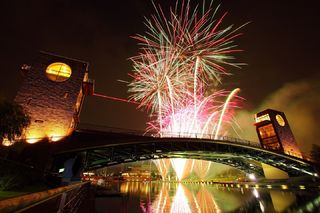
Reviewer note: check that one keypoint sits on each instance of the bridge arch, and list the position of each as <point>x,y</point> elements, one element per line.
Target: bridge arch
<point>104,149</point>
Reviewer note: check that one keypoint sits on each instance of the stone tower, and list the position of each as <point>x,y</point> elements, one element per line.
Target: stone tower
<point>275,133</point>
<point>52,94</point>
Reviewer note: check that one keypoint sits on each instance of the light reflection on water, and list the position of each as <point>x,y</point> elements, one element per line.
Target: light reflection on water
<point>147,197</point>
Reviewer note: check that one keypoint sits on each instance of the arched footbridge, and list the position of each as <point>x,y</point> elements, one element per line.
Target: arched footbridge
<point>102,149</point>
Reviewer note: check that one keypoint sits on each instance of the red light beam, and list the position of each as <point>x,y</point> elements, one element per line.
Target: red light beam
<point>115,99</point>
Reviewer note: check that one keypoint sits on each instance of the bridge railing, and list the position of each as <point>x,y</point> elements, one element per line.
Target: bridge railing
<point>62,199</point>
<point>211,137</point>
<point>71,200</point>
<point>85,126</point>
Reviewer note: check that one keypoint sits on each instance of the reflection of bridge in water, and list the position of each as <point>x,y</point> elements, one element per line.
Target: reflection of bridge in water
<point>177,197</point>
<point>111,147</point>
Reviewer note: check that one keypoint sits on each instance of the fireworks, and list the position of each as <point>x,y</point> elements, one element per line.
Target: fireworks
<point>183,57</point>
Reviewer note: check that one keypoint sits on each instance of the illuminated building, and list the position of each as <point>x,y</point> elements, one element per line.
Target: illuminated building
<point>136,174</point>
<point>52,93</point>
<point>274,132</point>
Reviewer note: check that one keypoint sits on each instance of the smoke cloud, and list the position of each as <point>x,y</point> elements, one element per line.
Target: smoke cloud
<point>300,101</point>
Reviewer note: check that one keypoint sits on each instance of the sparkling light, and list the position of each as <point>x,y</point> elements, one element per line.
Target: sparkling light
<point>255,193</point>
<point>177,72</point>
<point>252,177</point>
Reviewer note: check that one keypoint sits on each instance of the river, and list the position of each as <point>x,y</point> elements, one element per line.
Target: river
<point>147,197</point>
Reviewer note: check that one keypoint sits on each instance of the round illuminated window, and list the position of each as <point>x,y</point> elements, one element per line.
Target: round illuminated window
<point>58,72</point>
<point>280,120</point>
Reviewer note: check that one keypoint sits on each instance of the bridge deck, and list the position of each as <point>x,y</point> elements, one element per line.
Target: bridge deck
<point>110,148</point>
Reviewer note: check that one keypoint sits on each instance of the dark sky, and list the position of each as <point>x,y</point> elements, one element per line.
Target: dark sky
<point>281,45</point>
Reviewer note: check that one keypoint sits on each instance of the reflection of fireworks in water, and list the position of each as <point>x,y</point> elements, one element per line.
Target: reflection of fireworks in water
<point>163,166</point>
<point>180,201</point>
<point>202,168</point>
<point>182,56</point>
<point>204,202</point>
<point>162,203</point>
<point>182,167</point>
<point>184,200</point>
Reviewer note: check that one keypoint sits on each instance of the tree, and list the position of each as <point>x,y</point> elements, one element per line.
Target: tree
<point>13,119</point>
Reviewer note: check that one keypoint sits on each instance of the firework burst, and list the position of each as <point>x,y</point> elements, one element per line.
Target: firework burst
<point>182,55</point>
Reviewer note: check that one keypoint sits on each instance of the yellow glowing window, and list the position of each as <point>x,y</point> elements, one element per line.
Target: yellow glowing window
<point>58,72</point>
<point>280,120</point>
<point>266,131</point>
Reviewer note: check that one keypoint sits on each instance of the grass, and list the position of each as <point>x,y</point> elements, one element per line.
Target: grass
<point>25,190</point>
<point>9,194</point>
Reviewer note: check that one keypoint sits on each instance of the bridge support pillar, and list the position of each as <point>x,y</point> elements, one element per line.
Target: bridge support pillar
<point>271,172</point>
<point>72,169</point>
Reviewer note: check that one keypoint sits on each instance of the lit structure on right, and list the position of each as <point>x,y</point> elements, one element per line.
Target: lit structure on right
<point>275,133</point>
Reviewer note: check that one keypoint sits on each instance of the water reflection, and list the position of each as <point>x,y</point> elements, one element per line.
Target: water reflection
<point>205,202</point>
<point>168,197</point>
<point>162,202</point>
<point>282,200</point>
<point>180,202</point>
<point>202,168</point>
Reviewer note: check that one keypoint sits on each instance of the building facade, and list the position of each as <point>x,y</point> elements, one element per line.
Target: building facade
<point>52,94</point>
<point>275,133</point>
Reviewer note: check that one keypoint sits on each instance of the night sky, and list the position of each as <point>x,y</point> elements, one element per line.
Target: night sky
<point>281,46</point>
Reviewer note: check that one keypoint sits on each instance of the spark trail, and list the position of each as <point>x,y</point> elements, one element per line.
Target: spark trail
<point>184,54</point>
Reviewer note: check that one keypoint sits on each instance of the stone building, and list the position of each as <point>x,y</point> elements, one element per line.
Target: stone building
<point>52,93</point>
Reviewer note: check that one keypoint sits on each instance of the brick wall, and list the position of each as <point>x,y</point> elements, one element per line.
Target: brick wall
<point>51,105</point>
